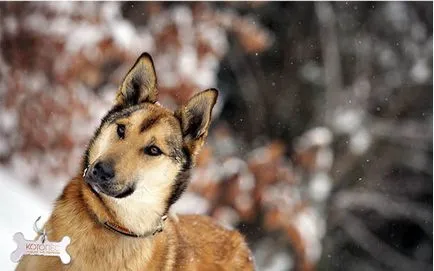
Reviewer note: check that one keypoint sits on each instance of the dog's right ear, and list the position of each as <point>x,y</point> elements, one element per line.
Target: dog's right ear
<point>139,85</point>
<point>195,119</point>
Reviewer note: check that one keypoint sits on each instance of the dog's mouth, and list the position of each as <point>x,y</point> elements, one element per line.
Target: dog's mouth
<point>110,189</point>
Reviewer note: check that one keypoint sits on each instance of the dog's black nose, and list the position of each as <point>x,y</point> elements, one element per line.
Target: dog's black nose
<point>102,172</point>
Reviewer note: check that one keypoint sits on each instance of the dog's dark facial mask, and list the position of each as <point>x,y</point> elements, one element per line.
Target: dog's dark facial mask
<point>142,152</point>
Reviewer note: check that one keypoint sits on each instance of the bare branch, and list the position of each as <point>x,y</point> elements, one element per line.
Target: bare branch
<point>408,130</point>
<point>377,248</point>
<point>387,207</point>
<point>330,54</point>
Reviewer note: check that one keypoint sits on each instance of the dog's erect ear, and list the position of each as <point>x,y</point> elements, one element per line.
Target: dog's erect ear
<point>195,118</point>
<point>139,85</point>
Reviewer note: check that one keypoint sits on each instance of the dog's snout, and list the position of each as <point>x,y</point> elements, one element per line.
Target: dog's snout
<point>102,172</point>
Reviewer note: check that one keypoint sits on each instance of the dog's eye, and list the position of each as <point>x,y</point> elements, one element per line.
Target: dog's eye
<point>121,131</point>
<point>153,150</point>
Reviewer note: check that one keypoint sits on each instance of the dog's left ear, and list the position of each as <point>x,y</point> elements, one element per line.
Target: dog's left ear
<point>195,118</point>
<point>139,85</point>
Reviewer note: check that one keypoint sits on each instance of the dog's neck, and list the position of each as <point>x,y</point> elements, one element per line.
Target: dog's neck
<point>78,213</point>
<point>129,216</point>
<point>132,217</point>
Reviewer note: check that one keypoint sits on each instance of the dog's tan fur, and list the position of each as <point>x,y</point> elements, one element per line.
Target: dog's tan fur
<point>142,190</point>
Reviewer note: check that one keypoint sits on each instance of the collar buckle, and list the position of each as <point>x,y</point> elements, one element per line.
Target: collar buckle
<point>160,225</point>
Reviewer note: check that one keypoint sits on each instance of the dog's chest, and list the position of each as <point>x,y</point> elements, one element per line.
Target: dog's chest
<point>109,254</point>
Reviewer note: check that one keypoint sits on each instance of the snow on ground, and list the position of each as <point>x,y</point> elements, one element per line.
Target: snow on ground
<point>19,209</point>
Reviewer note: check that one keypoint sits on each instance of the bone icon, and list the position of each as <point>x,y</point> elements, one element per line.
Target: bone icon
<point>40,248</point>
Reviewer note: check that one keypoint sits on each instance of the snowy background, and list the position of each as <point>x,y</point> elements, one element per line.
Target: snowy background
<point>320,150</point>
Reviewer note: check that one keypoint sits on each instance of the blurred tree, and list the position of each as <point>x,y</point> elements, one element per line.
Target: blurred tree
<point>364,71</point>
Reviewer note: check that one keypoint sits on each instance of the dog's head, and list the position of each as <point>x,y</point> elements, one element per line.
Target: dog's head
<point>143,150</point>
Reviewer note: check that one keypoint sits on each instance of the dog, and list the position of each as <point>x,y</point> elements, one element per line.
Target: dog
<point>136,167</point>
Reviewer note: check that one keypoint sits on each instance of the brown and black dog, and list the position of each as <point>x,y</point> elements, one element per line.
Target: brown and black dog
<point>136,166</point>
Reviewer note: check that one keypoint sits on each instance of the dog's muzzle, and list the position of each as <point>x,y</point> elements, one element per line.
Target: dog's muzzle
<point>101,178</point>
